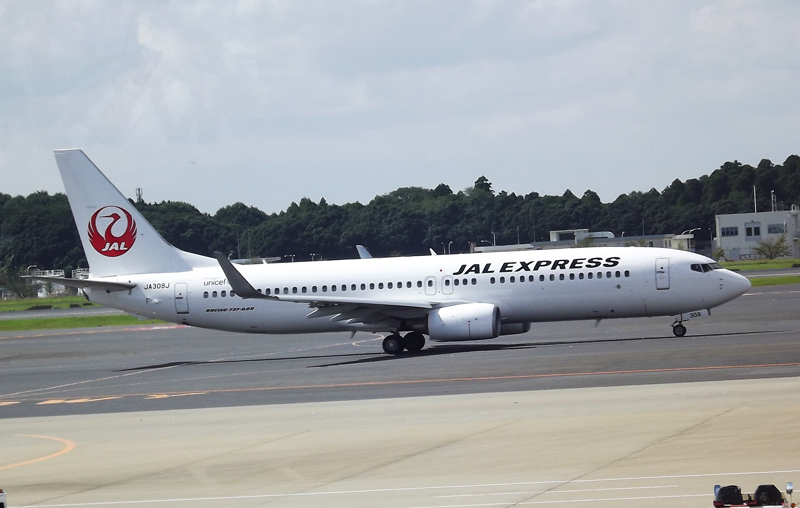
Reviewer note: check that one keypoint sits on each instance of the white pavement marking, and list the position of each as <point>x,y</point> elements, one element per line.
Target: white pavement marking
<point>442,487</point>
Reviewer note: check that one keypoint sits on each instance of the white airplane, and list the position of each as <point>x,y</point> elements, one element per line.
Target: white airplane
<point>448,298</point>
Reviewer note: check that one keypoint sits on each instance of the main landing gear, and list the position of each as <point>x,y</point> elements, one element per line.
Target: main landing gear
<point>394,344</point>
<point>679,330</point>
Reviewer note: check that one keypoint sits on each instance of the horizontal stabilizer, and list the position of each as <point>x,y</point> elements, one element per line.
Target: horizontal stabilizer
<point>86,283</point>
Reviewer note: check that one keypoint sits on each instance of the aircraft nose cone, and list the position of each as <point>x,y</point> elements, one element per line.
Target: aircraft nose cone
<point>737,284</point>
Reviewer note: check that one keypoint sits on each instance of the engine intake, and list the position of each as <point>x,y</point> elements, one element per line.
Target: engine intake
<point>468,321</point>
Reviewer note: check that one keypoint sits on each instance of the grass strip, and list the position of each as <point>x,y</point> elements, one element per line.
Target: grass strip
<point>774,281</point>
<point>761,264</point>
<point>57,302</point>
<point>15,325</point>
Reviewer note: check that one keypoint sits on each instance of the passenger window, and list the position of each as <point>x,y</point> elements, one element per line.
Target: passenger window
<point>380,285</point>
<point>617,274</point>
<point>419,283</point>
<point>344,287</point>
<point>324,289</point>
<point>552,277</point>
<point>561,276</point>
<point>502,280</point>
<point>333,288</point>
<point>589,275</point>
<point>408,284</point>
<point>608,275</point>
<point>234,294</point>
<point>446,283</point>
<point>455,282</point>
<point>599,275</point>
<point>223,294</point>
<point>313,289</point>
<point>572,276</point>
<point>205,294</point>
<point>531,278</point>
<point>580,276</point>
<point>304,289</point>
<point>363,286</point>
<point>372,285</point>
<point>286,291</point>
<point>213,294</point>
<point>430,283</point>
<point>277,291</point>
<point>512,279</point>
<point>389,285</point>
<point>541,278</point>
<point>294,290</point>
<point>352,287</point>
<point>491,280</point>
<point>258,290</point>
<point>474,281</point>
<point>400,285</point>
<point>627,273</point>
<point>465,281</point>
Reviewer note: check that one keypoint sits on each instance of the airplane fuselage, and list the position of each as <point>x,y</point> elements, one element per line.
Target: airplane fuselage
<point>526,287</point>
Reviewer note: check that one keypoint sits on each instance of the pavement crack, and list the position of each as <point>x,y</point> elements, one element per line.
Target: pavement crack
<point>625,457</point>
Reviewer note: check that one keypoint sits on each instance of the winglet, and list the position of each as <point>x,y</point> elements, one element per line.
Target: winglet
<point>363,253</point>
<point>237,281</point>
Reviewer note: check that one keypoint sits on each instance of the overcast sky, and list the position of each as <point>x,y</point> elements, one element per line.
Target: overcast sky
<point>268,102</point>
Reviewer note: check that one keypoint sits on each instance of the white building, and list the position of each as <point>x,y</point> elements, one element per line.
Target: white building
<point>738,234</point>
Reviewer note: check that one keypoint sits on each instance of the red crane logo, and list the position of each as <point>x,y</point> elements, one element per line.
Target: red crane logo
<point>103,238</point>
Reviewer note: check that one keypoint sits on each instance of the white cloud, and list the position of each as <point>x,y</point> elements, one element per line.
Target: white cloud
<point>267,102</point>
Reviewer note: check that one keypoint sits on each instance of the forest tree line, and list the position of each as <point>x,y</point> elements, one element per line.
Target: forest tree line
<point>39,229</point>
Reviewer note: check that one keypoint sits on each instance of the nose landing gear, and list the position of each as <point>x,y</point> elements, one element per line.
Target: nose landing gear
<point>679,330</point>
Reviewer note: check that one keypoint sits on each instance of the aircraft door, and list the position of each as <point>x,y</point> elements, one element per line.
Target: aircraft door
<point>662,273</point>
<point>447,285</point>
<point>181,298</point>
<point>430,286</point>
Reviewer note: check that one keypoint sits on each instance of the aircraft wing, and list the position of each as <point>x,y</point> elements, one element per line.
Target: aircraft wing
<point>352,312</point>
<point>86,283</point>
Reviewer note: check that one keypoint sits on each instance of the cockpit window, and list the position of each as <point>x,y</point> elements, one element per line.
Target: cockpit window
<point>705,267</point>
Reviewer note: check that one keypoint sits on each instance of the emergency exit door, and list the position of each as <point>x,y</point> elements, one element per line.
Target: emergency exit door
<point>662,273</point>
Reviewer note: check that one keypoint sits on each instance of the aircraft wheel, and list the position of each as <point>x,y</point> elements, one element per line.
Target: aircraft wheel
<point>393,344</point>
<point>414,341</point>
<point>679,330</point>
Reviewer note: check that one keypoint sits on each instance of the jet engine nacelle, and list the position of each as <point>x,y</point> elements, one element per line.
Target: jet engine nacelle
<point>468,321</point>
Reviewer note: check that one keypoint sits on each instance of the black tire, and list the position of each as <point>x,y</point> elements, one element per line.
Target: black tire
<point>414,341</point>
<point>393,344</point>
<point>679,330</point>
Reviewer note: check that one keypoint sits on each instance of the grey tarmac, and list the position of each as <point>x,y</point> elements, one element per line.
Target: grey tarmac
<point>622,414</point>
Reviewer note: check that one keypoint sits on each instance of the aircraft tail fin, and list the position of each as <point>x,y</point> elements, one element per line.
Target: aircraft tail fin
<point>116,238</point>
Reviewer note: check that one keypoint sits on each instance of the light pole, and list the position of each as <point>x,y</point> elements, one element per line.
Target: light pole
<point>289,256</point>
<point>689,240</point>
<point>487,241</point>
<point>449,245</point>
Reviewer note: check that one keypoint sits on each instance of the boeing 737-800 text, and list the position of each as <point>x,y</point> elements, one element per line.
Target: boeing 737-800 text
<point>448,298</point>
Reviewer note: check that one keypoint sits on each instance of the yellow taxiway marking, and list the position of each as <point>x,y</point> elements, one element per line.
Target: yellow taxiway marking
<point>76,401</point>
<point>68,447</point>
<point>9,403</point>
<point>170,395</point>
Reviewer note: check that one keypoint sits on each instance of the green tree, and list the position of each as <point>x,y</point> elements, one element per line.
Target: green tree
<point>772,248</point>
